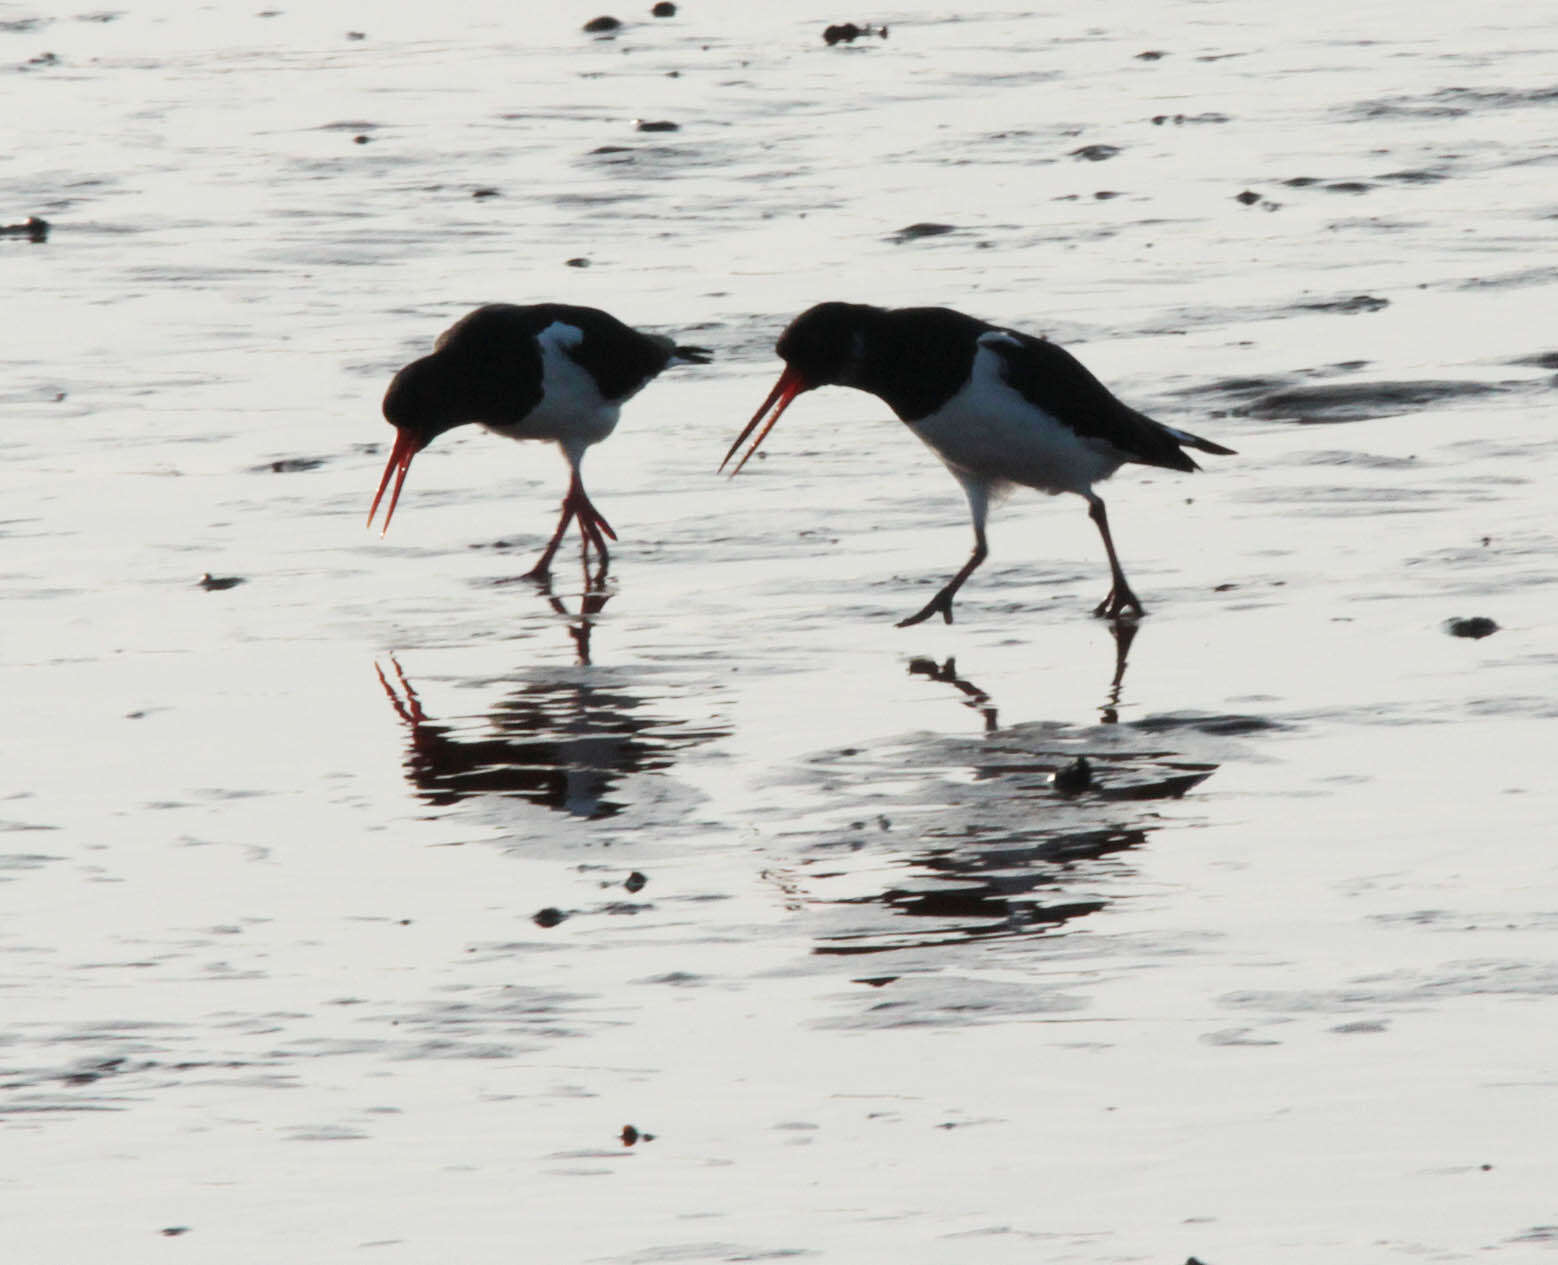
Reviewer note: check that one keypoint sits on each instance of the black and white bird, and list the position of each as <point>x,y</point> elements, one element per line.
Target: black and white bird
<point>1000,408</point>
<point>547,371</point>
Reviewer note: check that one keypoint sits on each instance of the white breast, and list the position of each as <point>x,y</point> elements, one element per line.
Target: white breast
<point>572,411</point>
<point>990,431</point>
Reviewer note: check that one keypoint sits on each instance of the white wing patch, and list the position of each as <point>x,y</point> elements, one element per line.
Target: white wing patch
<point>991,431</point>
<point>572,411</point>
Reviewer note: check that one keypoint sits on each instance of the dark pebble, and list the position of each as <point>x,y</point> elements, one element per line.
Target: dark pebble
<point>1075,778</point>
<point>32,228</point>
<point>1151,54</point>
<point>665,9</point>
<point>485,193</point>
<point>548,917</point>
<point>634,882</point>
<point>597,26</point>
<point>656,125</point>
<point>361,139</point>
<point>355,35</point>
<point>1477,627</point>
<point>848,33</point>
<point>1096,153</point>
<point>216,583</point>
<point>578,261</point>
<point>1249,197</point>
<point>925,229</point>
<point>630,1135</point>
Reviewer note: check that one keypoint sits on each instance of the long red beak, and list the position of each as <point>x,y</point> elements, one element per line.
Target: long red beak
<point>790,385</point>
<point>407,445</point>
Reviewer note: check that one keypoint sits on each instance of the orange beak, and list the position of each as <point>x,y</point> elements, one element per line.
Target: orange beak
<point>790,385</point>
<point>407,445</point>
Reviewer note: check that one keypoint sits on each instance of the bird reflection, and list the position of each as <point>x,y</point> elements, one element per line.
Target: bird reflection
<point>1009,835</point>
<point>1123,632</point>
<point>974,697</point>
<point>591,602</point>
<point>566,743</point>
<point>979,895</point>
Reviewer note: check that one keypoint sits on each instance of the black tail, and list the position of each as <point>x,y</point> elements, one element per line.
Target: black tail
<point>1203,445</point>
<point>692,355</point>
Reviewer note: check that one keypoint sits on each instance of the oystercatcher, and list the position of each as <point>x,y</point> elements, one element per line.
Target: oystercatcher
<point>1000,408</point>
<point>546,371</point>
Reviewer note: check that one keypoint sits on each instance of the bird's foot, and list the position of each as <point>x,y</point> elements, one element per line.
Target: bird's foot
<point>1120,603</point>
<point>941,602</point>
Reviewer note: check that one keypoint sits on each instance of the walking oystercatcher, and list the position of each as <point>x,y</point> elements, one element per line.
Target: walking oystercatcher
<point>546,371</point>
<point>998,407</point>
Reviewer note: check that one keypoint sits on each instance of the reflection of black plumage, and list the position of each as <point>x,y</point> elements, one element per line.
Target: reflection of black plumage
<point>564,744</point>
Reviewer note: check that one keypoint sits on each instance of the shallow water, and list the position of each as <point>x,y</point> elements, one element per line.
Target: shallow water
<point>361,904</point>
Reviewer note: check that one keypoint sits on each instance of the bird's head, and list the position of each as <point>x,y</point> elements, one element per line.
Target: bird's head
<point>419,410</point>
<point>823,346</point>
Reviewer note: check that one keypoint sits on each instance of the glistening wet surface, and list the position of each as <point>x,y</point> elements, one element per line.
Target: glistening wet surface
<point>358,895</point>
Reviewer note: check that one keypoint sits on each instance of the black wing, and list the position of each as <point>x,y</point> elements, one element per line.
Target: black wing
<point>1051,378</point>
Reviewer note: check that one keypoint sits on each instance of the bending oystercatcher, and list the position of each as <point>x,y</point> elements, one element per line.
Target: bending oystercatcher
<point>998,407</point>
<point>546,371</point>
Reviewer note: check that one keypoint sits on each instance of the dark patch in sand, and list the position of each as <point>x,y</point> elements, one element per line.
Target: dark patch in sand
<point>1095,153</point>
<point>913,232</point>
<point>1361,401</point>
<point>288,465</point>
<point>1450,103</point>
<point>1207,723</point>
<point>1415,176</point>
<point>1348,307</point>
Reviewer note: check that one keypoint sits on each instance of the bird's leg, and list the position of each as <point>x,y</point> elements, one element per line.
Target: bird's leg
<point>591,525</point>
<point>594,529</point>
<point>543,568</point>
<point>1120,598</point>
<point>943,600</point>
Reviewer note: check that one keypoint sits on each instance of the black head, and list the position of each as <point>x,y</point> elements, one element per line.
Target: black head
<point>419,400</point>
<point>420,407</point>
<point>825,344</point>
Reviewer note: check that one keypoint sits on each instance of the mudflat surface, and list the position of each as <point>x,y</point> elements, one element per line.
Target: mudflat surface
<point>355,895</point>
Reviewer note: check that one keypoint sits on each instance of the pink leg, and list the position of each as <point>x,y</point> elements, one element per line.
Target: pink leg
<point>943,600</point>
<point>1120,598</point>
<point>592,523</point>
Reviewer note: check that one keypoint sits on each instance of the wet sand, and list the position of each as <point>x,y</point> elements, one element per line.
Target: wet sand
<point>356,908</point>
